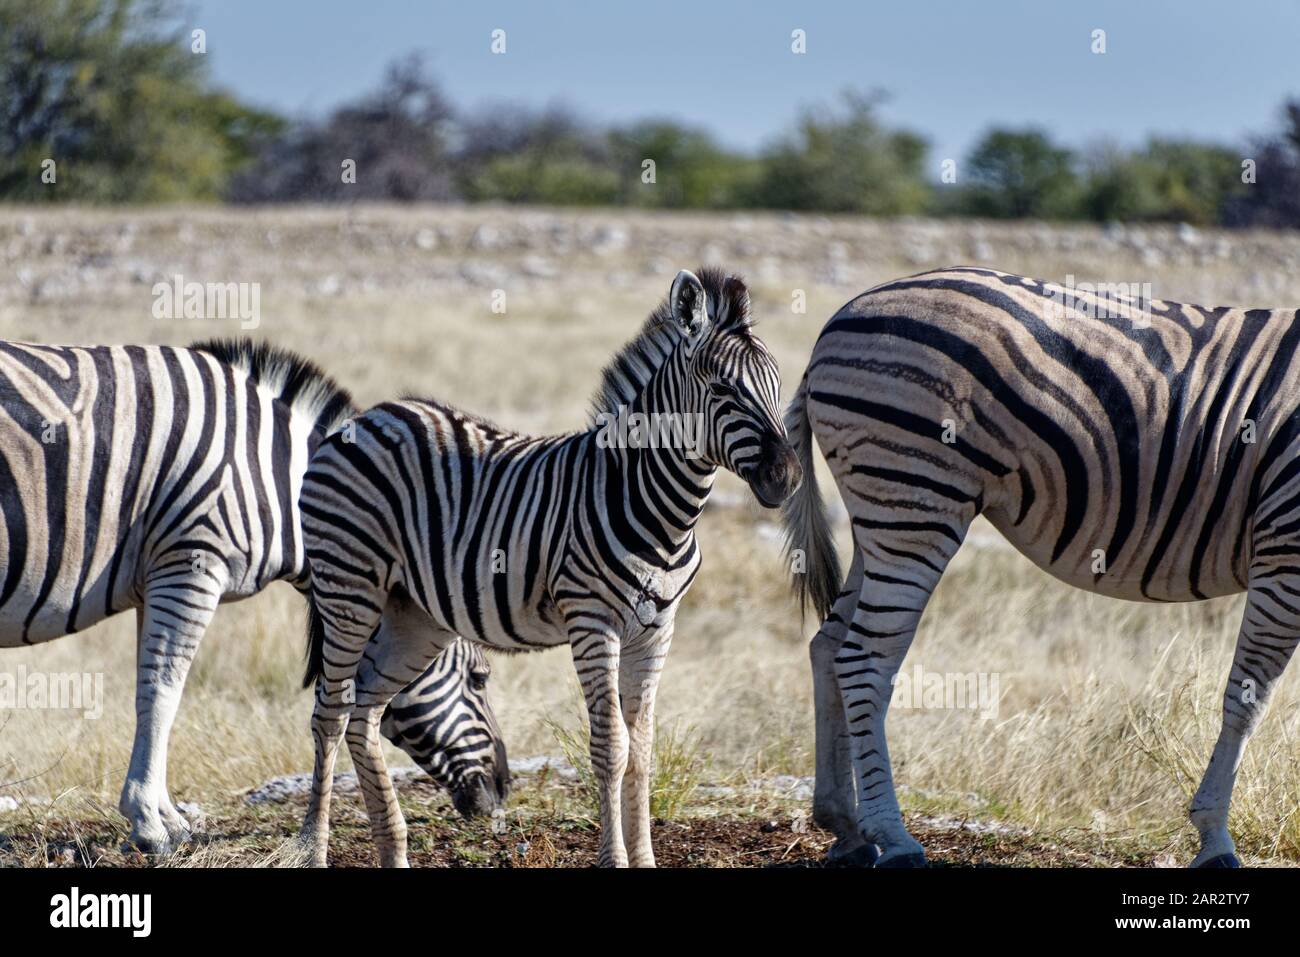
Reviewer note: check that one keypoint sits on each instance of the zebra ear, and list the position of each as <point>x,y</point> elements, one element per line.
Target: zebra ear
<point>686,300</point>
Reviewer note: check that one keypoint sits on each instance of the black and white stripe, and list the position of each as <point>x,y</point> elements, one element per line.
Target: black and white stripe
<point>444,722</point>
<point>434,523</point>
<point>1142,453</point>
<point>153,478</point>
<point>160,479</point>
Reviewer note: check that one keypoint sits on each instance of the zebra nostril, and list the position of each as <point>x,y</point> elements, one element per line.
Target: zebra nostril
<point>476,797</point>
<point>503,786</point>
<point>778,463</point>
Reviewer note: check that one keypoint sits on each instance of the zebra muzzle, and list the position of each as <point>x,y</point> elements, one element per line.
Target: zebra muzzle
<point>478,796</point>
<point>776,476</point>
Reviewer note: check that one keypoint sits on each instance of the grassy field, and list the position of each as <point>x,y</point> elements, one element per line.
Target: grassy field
<point>1106,711</point>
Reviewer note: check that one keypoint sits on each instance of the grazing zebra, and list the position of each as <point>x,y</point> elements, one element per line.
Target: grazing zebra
<point>1143,451</point>
<point>444,722</point>
<point>159,479</point>
<point>437,523</point>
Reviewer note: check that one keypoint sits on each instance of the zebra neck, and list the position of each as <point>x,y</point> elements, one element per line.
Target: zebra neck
<point>655,449</point>
<point>665,487</point>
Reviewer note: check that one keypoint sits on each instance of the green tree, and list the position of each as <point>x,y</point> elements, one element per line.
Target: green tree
<point>1170,180</point>
<point>111,92</point>
<point>556,181</point>
<point>844,161</point>
<point>396,135</point>
<point>1119,186</point>
<point>691,170</point>
<point>517,155</point>
<point>1019,174</point>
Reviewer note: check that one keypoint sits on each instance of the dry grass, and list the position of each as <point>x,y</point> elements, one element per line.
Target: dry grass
<point>1107,709</point>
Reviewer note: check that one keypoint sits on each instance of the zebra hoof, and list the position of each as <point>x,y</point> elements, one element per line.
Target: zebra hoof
<point>904,860</point>
<point>179,832</point>
<point>863,855</point>
<point>148,845</point>
<point>1223,860</point>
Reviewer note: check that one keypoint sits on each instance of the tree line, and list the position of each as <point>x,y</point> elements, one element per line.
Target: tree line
<point>107,101</point>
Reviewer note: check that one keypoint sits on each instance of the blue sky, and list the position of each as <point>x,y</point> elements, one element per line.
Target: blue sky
<point>1210,70</point>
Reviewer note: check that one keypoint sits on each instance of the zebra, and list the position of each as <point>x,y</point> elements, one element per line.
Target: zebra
<point>443,720</point>
<point>434,523</point>
<point>165,480</point>
<point>1145,450</point>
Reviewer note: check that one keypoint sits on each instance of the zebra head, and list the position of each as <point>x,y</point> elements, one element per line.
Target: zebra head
<point>733,383</point>
<point>443,720</point>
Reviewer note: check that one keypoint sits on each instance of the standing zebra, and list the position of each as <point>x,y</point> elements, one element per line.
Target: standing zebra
<point>160,479</point>
<point>438,523</point>
<point>1143,451</point>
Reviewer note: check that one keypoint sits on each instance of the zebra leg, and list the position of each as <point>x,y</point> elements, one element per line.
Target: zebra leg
<point>596,656</point>
<point>327,727</point>
<point>348,626</point>
<point>639,670</point>
<point>835,796</point>
<point>1270,629</point>
<point>406,643</point>
<point>387,825</point>
<point>170,626</point>
<point>178,829</point>
<point>174,823</point>
<point>901,565</point>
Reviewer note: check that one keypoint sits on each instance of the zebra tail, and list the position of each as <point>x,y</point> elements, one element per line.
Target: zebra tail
<point>809,544</point>
<point>315,643</point>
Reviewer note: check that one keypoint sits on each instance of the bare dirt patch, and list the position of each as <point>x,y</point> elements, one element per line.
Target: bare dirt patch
<point>541,833</point>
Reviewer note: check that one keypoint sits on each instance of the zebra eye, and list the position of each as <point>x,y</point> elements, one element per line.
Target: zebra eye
<point>478,681</point>
<point>722,390</point>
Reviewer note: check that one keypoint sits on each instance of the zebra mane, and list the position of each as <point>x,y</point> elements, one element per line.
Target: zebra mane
<point>295,380</point>
<point>483,422</point>
<point>625,375</point>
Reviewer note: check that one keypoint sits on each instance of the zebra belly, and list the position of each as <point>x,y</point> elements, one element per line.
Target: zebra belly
<point>61,612</point>
<point>39,611</point>
<point>520,624</point>
<point>530,630</point>
<point>1123,579</point>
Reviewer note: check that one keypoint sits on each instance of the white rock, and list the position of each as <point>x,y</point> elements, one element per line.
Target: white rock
<point>485,237</point>
<point>288,786</point>
<point>539,267</point>
<point>483,274</point>
<point>609,239</point>
<point>543,762</point>
<point>292,785</point>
